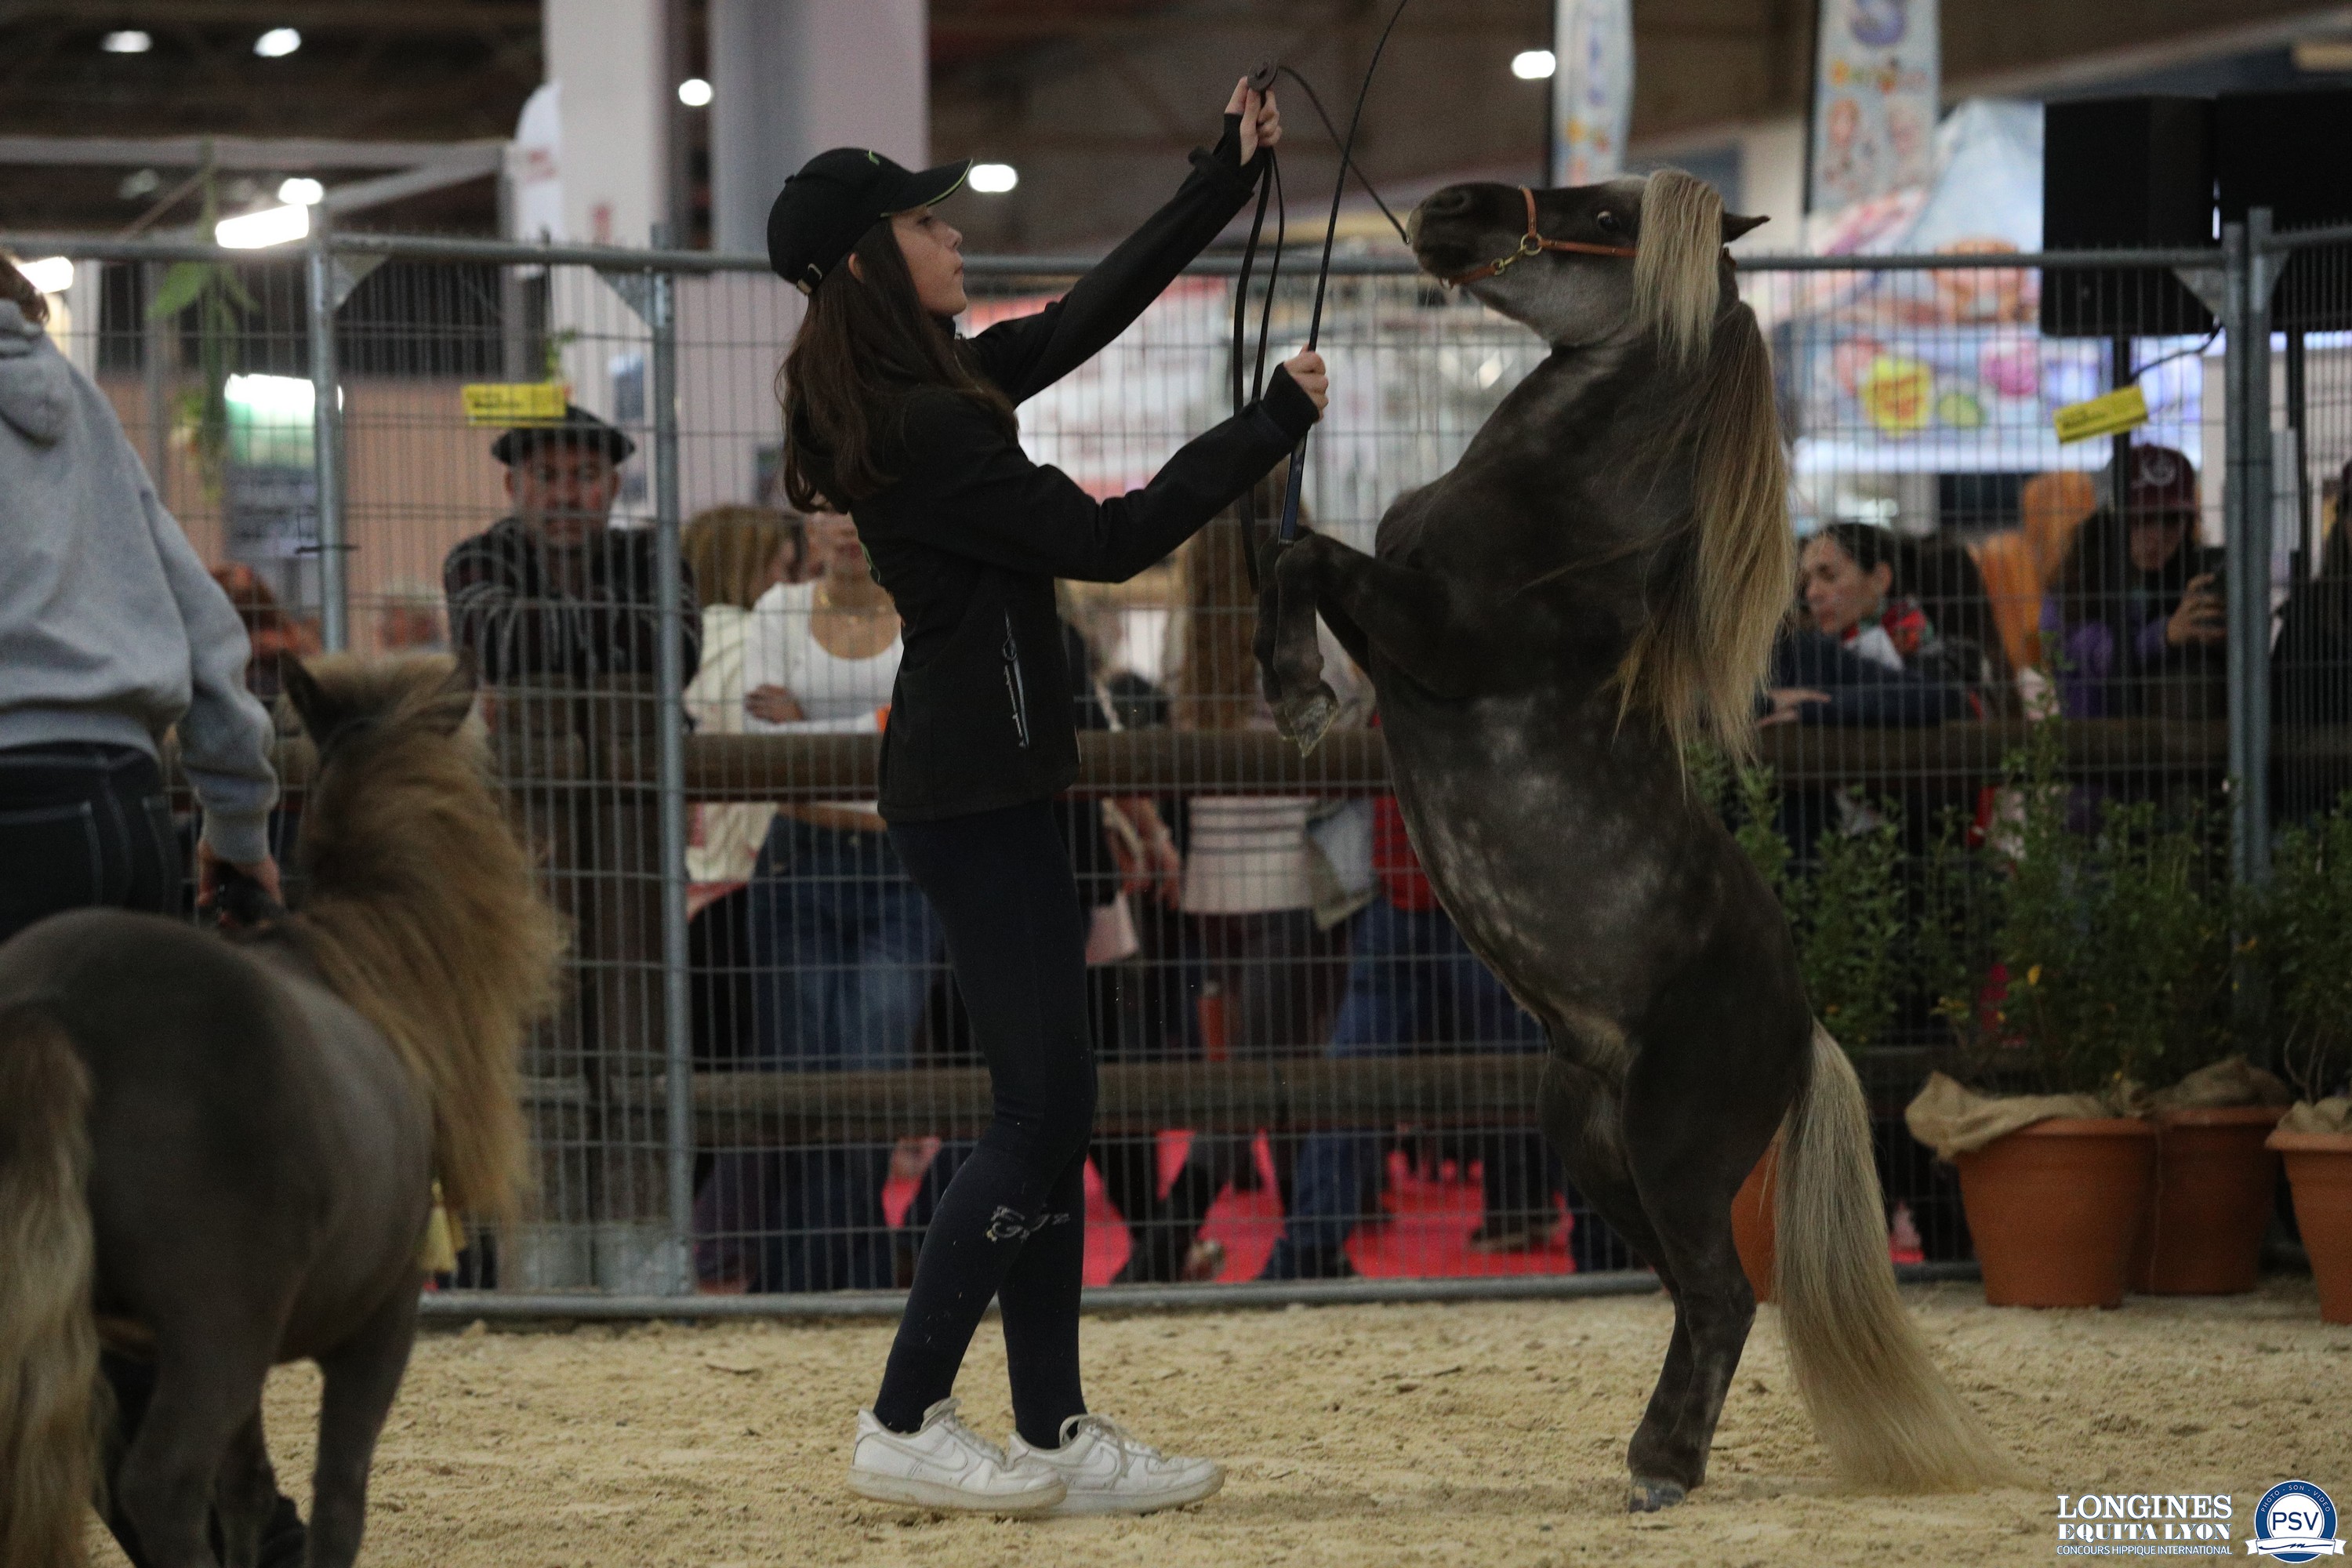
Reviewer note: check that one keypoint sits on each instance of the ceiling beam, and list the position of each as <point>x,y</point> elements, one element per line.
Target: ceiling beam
<point>271,152</point>
<point>309,15</point>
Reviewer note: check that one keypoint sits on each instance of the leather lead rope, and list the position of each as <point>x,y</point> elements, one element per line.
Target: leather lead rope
<point>1289,532</point>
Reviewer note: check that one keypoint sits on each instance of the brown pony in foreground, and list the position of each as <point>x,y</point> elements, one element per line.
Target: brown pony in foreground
<point>221,1154</point>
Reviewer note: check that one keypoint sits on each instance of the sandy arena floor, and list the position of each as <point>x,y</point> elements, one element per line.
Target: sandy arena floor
<point>1490,1434</point>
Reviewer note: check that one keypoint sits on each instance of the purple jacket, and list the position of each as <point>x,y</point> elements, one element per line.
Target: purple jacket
<point>2090,681</point>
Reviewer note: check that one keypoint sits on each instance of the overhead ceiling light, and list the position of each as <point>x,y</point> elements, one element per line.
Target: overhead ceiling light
<point>301,191</point>
<point>2323,53</point>
<point>50,274</point>
<point>694,93</point>
<point>270,226</point>
<point>145,183</point>
<point>130,41</point>
<point>1533,65</point>
<point>277,42</point>
<point>994,179</point>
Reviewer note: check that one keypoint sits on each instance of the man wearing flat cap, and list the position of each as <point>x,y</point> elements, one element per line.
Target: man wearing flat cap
<point>553,588</point>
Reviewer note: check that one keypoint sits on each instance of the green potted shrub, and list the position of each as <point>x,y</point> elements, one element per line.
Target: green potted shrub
<point>2298,950</point>
<point>2047,987</point>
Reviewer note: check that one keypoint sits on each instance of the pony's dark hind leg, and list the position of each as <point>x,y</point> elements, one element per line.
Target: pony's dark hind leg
<point>1578,1111</point>
<point>206,1392</point>
<point>1685,1192</point>
<point>246,1497</point>
<point>362,1375</point>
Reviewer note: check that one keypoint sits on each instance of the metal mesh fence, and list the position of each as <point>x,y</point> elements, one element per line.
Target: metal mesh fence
<point>761,1075</point>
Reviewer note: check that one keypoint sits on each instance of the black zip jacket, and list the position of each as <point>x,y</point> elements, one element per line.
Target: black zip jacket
<point>971,536</point>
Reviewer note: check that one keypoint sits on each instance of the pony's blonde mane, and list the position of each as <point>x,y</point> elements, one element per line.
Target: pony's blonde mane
<point>1724,583</point>
<point>424,911</point>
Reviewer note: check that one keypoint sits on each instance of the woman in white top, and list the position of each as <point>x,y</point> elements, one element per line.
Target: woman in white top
<point>1256,884</point>
<point>842,941</point>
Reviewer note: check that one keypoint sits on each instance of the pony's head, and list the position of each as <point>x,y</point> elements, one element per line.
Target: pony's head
<point>423,910</point>
<point>1563,279</point>
<point>1613,268</point>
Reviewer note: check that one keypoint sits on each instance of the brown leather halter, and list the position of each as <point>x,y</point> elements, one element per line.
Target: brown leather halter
<point>1532,243</point>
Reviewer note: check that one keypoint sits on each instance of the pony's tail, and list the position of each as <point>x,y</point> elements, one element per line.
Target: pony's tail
<point>48,1339</point>
<point>1890,1421</point>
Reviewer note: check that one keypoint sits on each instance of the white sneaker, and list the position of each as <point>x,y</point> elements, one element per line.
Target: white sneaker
<point>947,1465</point>
<point>1109,1471</point>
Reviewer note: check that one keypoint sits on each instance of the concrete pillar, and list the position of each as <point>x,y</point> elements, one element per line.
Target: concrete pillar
<point>611,57</point>
<point>791,77</point>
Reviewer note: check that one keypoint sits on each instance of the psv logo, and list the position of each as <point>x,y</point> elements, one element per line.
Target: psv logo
<point>2294,1522</point>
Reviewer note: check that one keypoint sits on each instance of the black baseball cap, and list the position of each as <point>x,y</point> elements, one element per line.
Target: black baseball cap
<point>825,209</point>
<point>578,427</point>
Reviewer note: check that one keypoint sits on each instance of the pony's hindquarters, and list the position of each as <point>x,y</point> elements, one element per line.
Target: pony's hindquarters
<point>48,1339</point>
<point>1888,1417</point>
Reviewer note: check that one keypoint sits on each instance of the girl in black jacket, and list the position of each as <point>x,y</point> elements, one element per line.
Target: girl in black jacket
<point>909,429</point>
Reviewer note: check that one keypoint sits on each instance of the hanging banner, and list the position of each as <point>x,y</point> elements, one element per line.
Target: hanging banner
<point>1592,89</point>
<point>1874,103</point>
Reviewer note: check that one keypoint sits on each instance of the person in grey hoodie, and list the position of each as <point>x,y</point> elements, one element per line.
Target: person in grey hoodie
<point>111,632</point>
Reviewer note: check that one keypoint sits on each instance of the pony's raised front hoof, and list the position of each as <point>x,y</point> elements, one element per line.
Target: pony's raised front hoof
<point>1306,720</point>
<point>1649,1496</point>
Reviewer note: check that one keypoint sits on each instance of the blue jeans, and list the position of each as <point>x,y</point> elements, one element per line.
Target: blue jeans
<point>1412,984</point>
<point>842,947</point>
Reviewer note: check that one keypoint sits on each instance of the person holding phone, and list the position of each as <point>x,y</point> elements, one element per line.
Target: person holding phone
<point>2138,601</point>
<point>908,427</point>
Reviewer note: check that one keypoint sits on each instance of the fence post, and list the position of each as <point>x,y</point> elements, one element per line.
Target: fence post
<point>326,438</point>
<point>2246,503</point>
<point>670,673</point>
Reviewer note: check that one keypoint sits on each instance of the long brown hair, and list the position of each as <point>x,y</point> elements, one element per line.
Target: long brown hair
<point>15,285</point>
<point>1216,685</point>
<point>732,548</point>
<point>866,343</point>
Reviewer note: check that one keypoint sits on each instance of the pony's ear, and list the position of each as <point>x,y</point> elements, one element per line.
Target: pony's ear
<point>455,699</point>
<point>1734,225</point>
<point>318,712</point>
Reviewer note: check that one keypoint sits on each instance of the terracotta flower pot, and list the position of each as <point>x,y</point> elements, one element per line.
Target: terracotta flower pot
<point>2214,1187</point>
<point>1755,1214</point>
<point>2055,1207</point>
<point>2319,1168</point>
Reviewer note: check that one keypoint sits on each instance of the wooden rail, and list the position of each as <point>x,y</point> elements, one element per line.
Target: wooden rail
<point>1355,762</point>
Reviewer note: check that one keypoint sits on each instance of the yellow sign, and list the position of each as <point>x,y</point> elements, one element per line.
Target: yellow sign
<point>2120,410</point>
<point>507,403</point>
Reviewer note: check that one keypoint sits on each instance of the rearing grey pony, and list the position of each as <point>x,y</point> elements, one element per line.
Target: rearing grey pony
<point>1596,584</point>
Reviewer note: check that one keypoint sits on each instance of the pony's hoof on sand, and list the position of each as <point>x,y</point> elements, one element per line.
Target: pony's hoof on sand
<point>1649,1496</point>
<point>1306,720</point>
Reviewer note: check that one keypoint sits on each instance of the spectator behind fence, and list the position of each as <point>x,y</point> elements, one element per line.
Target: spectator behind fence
<point>2020,564</point>
<point>111,632</point>
<point>408,619</point>
<point>554,589</point>
<point>2311,668</point>
<point>1870,654</point>
<point>737,553</point>
<point>842,941</point>
<point>2137,615</point>
<point>1252,878</point>
<point>1415,986</point>
<point>269,631</point>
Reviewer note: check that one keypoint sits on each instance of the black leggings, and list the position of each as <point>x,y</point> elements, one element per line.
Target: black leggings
<point>83,827</point>
<point>1011,1224</point>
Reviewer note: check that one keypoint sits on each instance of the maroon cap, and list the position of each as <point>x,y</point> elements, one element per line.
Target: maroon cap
<point>2161,480</point>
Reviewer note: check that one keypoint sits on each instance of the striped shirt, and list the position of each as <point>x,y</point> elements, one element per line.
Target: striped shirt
<point>506,606</point>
